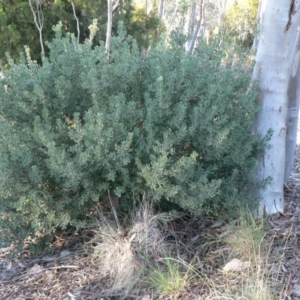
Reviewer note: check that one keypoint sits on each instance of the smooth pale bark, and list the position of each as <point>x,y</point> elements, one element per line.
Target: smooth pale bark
<point>147,7</point>
<point>292,118</point>
<point>202,17</point>
<point>77,21</point>
<point>160,8</point>
<point>109,24</point>
<point>191,30</point>
<point>199,25</point>
<point>275,55</point>
<point>110,9</point>
<point>258,19</point>
<point>189,26</point>
<point>38,17</point>
<point>1,70</point>
<point>191,43</point>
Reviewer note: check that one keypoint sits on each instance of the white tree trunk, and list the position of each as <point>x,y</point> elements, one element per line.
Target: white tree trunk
<point>292,118</point>
<point>109,24</point>
<point>222,10</point>
<point>273,69</point>
<point>293,111</point>
<point>189,26</point>
<point>199,25</point>
<point>160,8</point>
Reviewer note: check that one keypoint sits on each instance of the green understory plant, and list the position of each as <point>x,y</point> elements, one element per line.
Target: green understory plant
<point>84,124</point>
<point>172,275</point>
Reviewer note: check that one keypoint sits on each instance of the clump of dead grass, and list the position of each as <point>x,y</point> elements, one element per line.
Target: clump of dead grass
<point>124,252</point>
<point>115,258</point>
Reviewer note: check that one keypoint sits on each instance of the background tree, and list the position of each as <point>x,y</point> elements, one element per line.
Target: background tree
<point>17,26</point>
<point>38,17</point>
<point>145,28</point>
<point>240,21</point>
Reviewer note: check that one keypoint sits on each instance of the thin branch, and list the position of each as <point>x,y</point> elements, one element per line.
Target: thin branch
<point>38,20</point>
<point>200,24</point>
<point>193,38</point>
<point>77,22</point>
<point>115,6</point>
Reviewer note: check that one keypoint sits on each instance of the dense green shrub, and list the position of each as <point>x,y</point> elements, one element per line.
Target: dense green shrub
<point>171,124</point>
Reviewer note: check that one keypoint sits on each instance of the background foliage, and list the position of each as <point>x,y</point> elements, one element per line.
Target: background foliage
<point>240,21</point>
<point>17,27</point>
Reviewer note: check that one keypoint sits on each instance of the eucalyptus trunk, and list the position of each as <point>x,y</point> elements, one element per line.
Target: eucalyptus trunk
<point>292,118</point>
<point>275,69</point>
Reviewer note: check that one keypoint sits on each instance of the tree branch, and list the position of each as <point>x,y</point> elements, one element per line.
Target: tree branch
<point>38,20</point>
<point>77,22</point>
<point>115,6</point>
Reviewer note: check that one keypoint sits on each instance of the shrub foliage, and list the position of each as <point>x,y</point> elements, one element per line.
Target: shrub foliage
<point>174,125</point>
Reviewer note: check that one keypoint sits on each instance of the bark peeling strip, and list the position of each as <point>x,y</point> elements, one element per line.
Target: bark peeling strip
<point>292,11</point>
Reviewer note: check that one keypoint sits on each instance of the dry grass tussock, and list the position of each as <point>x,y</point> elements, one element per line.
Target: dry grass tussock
<point>149,255</point>
<point>123,252</point>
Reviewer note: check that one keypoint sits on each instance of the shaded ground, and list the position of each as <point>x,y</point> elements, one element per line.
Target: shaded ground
<point>70,273</point>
